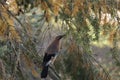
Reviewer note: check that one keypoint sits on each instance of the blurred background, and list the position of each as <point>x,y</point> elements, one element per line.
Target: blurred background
<point>89,51</point>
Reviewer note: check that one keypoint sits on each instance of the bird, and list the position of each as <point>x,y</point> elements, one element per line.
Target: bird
<point>50,55</point>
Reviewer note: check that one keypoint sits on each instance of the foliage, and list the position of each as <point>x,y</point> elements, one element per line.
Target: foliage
<point>83,22</point>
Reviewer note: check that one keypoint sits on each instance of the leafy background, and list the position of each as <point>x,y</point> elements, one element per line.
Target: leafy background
<point>90,50</point>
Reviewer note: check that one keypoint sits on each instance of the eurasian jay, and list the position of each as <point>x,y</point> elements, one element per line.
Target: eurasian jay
<point>50,55</point>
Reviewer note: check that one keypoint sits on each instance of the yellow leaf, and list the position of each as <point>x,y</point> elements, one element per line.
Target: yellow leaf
<point>7,29</point>
<point>44,5</point>
<point>35,73</point>
<point>111,37</point>
<point>13,7</point>
<point>29,65</point>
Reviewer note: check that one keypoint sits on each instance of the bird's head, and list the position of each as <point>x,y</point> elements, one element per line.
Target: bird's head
<point>59,37</point>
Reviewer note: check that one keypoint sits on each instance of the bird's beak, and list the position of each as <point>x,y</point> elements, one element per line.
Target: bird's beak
<point>61,36</point>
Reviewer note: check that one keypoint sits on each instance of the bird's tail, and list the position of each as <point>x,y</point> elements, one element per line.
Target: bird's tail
<point>44,72</point>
